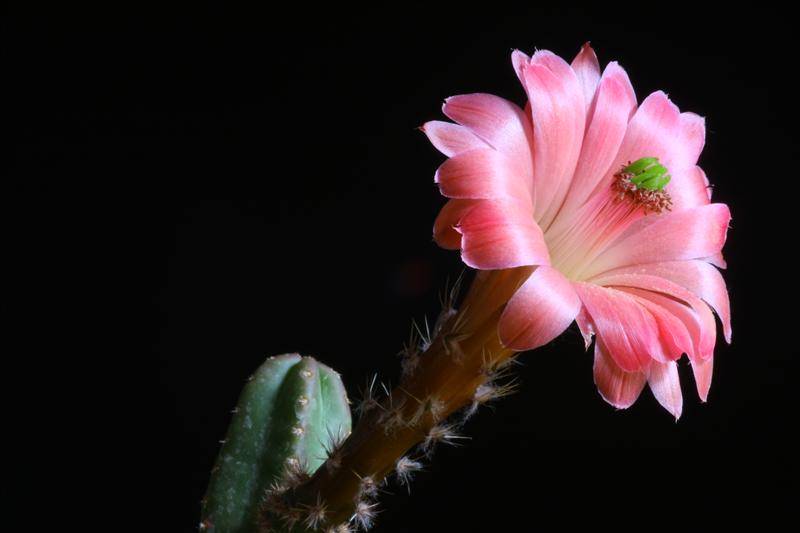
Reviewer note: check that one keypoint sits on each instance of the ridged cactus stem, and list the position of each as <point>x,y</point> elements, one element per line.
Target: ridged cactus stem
<point>451,374</point>
<point>291,412</point>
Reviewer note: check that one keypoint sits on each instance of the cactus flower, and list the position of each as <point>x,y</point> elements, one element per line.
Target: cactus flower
<point>601,203</point>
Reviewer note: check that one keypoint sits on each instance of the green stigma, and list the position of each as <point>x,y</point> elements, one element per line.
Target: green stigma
<point>648,173</point>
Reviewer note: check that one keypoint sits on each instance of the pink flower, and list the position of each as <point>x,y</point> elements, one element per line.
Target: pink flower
<point>605,201</point>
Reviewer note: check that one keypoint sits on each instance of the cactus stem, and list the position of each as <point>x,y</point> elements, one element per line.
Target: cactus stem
<point>452,346</point>
<point>432,407</point>
<point>381,440</point>
<point>393,419</point>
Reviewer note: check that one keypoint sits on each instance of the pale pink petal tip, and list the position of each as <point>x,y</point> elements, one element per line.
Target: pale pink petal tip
<point>587,69</point>
<point>665,384</point>
<point>519,60</point>
<point>702,376</point>
<point>541,309</point>
<point>585,327</point>
<point>617,387</point>
<point>451,139</point>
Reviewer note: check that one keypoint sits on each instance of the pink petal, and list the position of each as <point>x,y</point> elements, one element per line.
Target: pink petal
<point>587,69</point>
<point>674,338</point>
<point>689,185</point>
<point>652,132</point>
<point>689,188</point>
<point>659,129</point>
<point>585,326</point>
<point>698,320</point>
<point>702,376</point>
<point>606,128</point>
<point>690,141</point>
<point>500,234</point>
<point>666,386</point>
<point>699,277</point>
<point>444,228</point>
<point>500,123</point>
<point>717,260</point>
<point>541,309</point>
<point>481,174</point>
<point>520,60</point>
<point>451,139</point>
<point>617,387</point>
<point>559,114</point>
<point>628,331</point>
<point>694,314</point>
<point>689,234</point>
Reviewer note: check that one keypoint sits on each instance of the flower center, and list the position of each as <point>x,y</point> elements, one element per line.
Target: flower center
<point>642,184</point>
<point>637,190</point>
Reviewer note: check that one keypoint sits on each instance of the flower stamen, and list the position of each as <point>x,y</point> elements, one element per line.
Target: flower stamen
<point>642,184</point>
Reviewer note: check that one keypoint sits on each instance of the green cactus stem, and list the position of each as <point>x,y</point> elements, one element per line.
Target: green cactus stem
<point>290,414</point>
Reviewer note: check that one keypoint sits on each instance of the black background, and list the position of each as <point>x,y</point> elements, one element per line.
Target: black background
<point>193,188</point>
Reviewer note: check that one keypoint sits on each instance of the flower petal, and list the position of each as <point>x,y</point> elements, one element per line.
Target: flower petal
<point>659,129</point>
<point>500,123</point>
<point>694,314</point>
<point>652,132</point>
<point>699,277</point>
<point>607,124</point>
<point>444,228</point>
<point>702,376</point>
<point>689,234</point>
<point>666,386</point>
<point>689,188</point>
<point>451,139</point>
<point>587,69</point>
<point>690,141</point>
<point>627,330</point>
<point>585,326</point>
<point>717,260</point>
<point>501,234</point>
<point>481,174</point>
<point>617,387</point>
<point>653,129</point>
<point>674,338</point>
<point>559,114</point>
<point>519,60</point>
<point>541,309</point>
